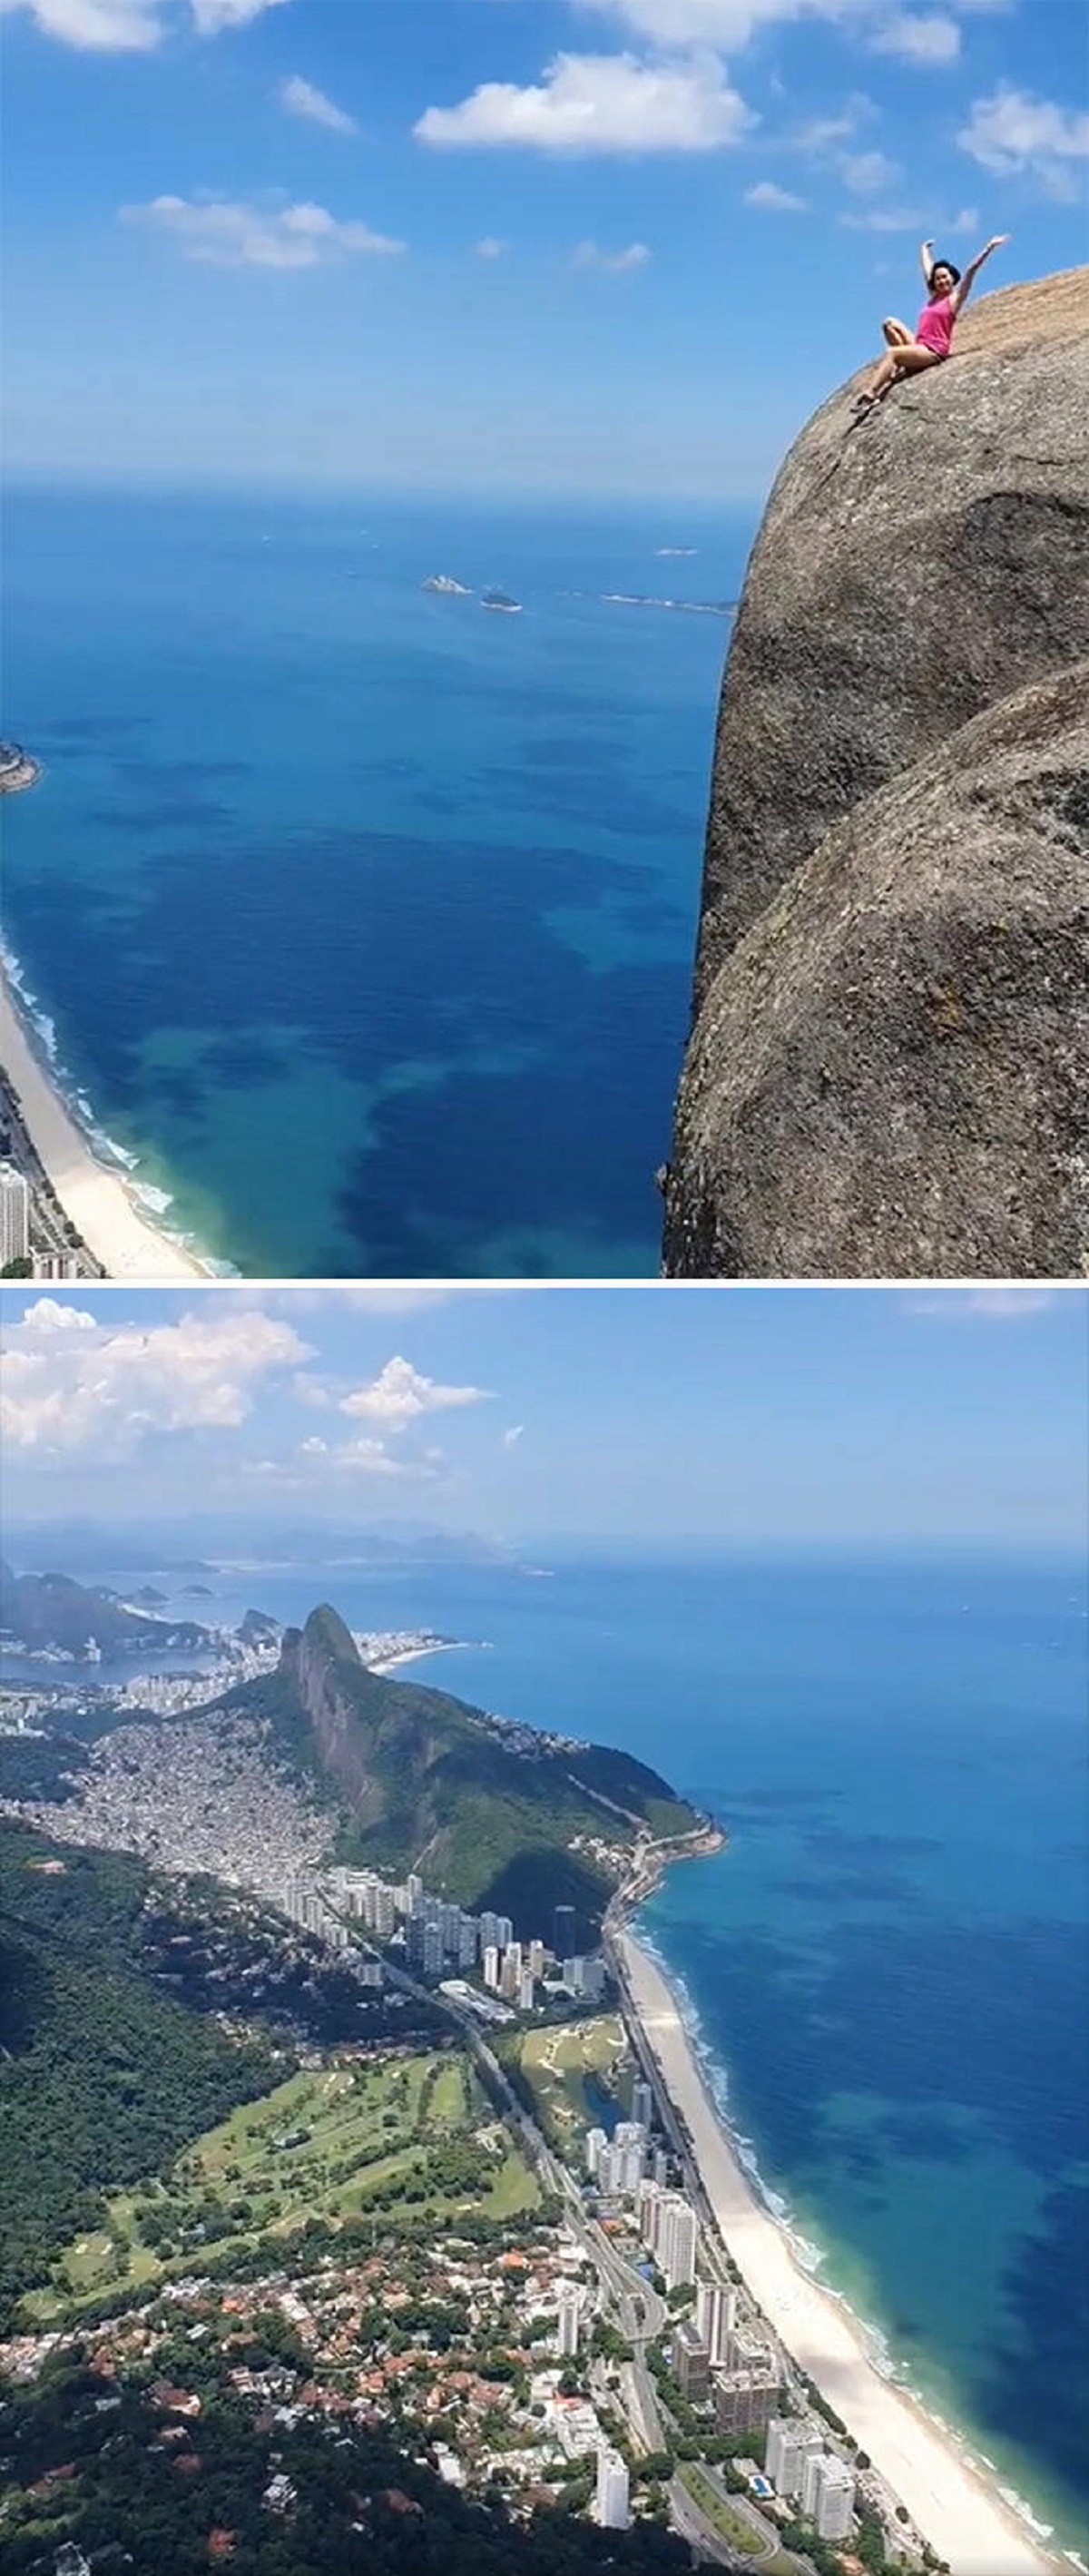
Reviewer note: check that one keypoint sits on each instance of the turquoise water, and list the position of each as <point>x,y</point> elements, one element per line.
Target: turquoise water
<point>889,1963</point>
<point>364,920</point>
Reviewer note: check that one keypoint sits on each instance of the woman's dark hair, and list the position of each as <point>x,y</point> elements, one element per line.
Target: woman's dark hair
<point>947,264</point>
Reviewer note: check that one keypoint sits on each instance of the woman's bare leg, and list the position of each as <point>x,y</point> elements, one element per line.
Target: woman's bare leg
<point>907,359</point>
<point>896,333</point>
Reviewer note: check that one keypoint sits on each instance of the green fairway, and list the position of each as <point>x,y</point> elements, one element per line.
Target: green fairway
<point>572,2071</point>
<point>333,2143</point>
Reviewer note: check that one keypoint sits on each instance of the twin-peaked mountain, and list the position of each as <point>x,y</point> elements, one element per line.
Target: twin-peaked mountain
<point>488,1814</point>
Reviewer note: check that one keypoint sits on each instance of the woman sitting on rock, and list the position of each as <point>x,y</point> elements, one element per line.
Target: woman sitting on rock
<point>932,339</point>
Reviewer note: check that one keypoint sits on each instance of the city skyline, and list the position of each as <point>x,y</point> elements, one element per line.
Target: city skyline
<point>570,245</point>
<point>817,1418</point>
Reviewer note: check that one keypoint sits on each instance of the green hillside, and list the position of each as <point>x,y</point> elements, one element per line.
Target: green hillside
<point>425,1782</point>
<point>102,2077</point>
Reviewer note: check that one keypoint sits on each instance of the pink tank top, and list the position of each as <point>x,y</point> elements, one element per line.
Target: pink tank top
<point>935,326</point>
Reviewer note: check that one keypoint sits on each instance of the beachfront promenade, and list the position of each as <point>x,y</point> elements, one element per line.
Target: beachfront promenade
<point>961,2516</point>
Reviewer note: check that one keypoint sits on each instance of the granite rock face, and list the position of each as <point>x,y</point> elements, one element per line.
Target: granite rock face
<point>883,1076</point>
<point>890,1077</point>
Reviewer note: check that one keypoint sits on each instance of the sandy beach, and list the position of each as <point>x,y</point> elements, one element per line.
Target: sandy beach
<point>963,2519</point>
<point>96,1200</point>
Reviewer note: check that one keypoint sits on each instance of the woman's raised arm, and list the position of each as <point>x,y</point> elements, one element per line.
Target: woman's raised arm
<point>963,291</point>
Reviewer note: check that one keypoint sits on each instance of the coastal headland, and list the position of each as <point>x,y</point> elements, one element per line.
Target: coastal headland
<point>956,2511</point>
<point>122,1241</point>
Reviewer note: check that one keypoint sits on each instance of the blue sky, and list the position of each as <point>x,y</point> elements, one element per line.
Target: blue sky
<point>818,1417</point>
<point>579,245</point>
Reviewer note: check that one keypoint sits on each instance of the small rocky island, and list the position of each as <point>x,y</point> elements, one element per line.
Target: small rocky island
<point>17,769</point>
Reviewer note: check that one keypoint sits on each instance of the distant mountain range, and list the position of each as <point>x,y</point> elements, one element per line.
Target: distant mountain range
<point>51,1610</point>
<point>200,1546</point>
<point>489,1814</point>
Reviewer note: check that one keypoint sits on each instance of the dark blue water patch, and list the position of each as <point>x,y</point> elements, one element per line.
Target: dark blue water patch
<point>438,800</point>
<point>176,776</point>
<point>164,814</point>
<point>935,2136</point>
<point>247,1059</point>
<point>619,804</point>
<point>893,2010</point>
<point>651,913</point>
<point>595,755</point>
<point>396,948</point>
<point>837,1844</point>
<point>292,645</point>
<point>961,2039</point>
<point>779,1801</point>
<point>1037,2389</point>
<point>395,957</point>
<point>97,732</point>
<point>534,1172</point>
<point>836,1888</point>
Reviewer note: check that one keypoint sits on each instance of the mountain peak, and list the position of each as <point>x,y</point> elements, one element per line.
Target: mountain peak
<point>425,1781</point>
<point>325,1633</point>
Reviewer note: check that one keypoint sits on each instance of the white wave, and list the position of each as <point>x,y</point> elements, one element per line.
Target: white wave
<point>104,1147</point>
<point>880,2351</point>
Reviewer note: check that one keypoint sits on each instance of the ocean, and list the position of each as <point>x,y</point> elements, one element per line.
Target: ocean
<point>887,1967</point>
<point>359,923</point>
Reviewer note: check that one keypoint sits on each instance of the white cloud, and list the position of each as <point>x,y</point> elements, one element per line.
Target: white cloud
<point>884,219</point>
<point>367,1457</point>
<point>513,1434</point>
<point>820,134</point>
<point>400,1395</point>
<point>773,200</point>
<point>999,1305</point>
<point>47,1316</point>
<point>930,43</point>
<point>97,26</point>
<point>1014,134</point>
<point>490,248</point>
<point>227,234</point>
<point>864,173</point>
<point>731,24</point>
<point>133,26</point>
<point>212,16</point>
<point>913,219</point>
<point>599,103</point>
<point>611,263</point>
<point>88,1385</point>
<point>302,99</point>
<point>378,1296</point>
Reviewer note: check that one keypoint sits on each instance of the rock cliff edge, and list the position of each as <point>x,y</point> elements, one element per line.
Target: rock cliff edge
<point>887,1074</point>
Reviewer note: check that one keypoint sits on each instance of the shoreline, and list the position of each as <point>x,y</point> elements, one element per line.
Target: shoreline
<point>416,1654</point>
<point>97,1201</point>
<point>956,2509</point>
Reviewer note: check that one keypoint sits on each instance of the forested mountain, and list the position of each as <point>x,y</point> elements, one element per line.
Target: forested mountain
<point>427,1782</point>
<point>355,2503</point>
<point>103,2076</point>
